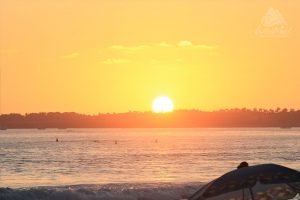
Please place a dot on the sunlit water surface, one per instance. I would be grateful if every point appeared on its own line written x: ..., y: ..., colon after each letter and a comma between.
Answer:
x: 186, y: 157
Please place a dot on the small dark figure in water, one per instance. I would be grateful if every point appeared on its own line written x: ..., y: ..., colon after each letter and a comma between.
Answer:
x: 155, y: 141
x: 56, y: 139
x: 242, y: 165
x: 116, y: 142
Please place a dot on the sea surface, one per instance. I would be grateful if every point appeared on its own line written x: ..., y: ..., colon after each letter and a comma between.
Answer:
x: 133, y: 164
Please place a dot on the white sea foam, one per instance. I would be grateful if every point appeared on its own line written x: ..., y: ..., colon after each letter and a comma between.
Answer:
x: 163, y: 191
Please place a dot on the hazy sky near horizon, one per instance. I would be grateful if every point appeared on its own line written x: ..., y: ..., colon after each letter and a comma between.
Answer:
x: 93, y: 56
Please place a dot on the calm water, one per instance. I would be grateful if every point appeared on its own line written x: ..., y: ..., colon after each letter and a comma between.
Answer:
x: 141, y: 157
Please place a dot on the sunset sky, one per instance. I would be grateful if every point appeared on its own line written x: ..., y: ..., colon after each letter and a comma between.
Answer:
x: 93, y: 56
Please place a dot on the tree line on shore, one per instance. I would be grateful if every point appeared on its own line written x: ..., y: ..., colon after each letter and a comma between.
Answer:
x: 284, y: 118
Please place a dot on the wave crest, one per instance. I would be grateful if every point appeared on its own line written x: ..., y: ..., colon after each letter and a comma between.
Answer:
x: 104, y: 192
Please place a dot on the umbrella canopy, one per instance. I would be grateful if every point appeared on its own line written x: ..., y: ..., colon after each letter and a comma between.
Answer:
x: 260, y: 182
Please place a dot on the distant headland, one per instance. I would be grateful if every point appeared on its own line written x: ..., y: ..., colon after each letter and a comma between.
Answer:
x: 282, y: 118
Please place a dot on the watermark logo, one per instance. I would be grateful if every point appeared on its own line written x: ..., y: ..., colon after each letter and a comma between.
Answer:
x: 273, y: 24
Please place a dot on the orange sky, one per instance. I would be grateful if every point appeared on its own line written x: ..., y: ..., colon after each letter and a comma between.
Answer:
x: 93, y: 56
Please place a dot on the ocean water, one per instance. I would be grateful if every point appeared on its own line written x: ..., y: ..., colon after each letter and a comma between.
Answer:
x: 132, y: 163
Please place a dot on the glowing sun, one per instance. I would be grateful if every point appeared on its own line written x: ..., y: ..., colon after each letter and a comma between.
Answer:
x: 162, y: 104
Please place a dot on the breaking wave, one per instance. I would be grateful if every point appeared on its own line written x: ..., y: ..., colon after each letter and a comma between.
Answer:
x: 162, y: 191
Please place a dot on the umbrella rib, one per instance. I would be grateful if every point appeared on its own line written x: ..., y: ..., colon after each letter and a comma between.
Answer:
x: 251, y: 193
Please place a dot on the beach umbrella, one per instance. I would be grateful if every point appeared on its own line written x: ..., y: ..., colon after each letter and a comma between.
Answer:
x: 260, y: 182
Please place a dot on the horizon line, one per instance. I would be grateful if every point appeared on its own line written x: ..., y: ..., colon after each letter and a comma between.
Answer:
x: 275, y: 110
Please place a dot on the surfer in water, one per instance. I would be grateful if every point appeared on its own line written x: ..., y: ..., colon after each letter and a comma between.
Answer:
x: 56, y: 139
